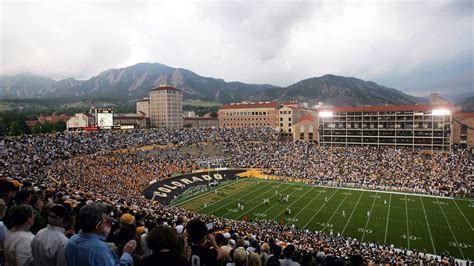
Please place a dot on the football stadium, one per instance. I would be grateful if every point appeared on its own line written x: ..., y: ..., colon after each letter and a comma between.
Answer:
x: 241, y: 189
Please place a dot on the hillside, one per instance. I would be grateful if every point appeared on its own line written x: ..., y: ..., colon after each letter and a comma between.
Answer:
x: 131, y: 83
x: 338, y: 91
x: 467, y: 105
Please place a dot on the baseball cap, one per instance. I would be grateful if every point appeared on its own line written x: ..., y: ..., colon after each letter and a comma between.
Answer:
x: 127, y: 218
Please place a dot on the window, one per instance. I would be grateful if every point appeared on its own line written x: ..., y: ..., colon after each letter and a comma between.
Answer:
x: 281, y: 118
x: 301, y: 128
x: 289, y: 119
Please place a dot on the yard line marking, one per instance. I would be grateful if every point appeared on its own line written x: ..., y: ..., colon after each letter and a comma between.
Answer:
x: 309, y: 203
x: 429, y: 230
x: 291, y: 204
x: 368, y: 218
x: 463, y: 214
x: 200, y: 195
x: 406, y: 212
x: 309, y: 221
x: 240, y: 190
x: 335, y: 212
x: 233, y: 201
x: 343, y: 230
x: 271, y: 197
x: 388, y: 216
x: 450, y: 229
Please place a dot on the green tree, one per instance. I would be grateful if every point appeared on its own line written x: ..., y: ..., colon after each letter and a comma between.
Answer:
x: 47, y: 127
x: 59, y: 126
x: 37, y: 128
x: 15, y: 129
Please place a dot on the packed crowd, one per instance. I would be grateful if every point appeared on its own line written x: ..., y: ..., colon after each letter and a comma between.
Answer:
x: 73, y: 189
x: 48, y: 226
x: 367, y: 167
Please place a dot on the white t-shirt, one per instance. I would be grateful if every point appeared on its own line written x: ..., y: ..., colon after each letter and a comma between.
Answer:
x: 17, y: 248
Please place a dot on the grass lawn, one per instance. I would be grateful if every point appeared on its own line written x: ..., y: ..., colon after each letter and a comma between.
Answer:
x: 425, y: 223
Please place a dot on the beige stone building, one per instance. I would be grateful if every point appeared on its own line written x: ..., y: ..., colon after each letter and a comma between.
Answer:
x: 287, y: 115
x: 143, y: 105
x: 249, y: 114
x: 166, y: 107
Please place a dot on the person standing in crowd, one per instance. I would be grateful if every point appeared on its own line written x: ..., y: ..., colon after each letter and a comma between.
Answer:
x: 287, y: 254
x: 17, y: 245
x: 88, y: 247
x: 163, y: 241
x: 49, y: 245
x: 203, y: 249
x: 3, y: 230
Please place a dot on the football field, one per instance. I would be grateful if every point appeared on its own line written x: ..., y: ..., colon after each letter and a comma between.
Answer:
x: 431, y: 224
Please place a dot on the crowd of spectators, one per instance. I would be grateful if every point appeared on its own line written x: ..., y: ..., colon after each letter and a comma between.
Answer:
x: 68, y: 199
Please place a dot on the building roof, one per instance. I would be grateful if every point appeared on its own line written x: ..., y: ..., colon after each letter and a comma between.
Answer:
x: 250, y: 105
x: 165, y: 88
x: 200, y: 118
x: 463, y: 116
x: 307, y: 116
x: 389, y: 108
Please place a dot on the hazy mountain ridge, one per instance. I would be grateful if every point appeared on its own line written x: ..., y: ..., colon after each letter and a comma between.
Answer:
x: 338, y: 90
x: 129, y: 83
x: 134, y: 82
x: 467, y: 105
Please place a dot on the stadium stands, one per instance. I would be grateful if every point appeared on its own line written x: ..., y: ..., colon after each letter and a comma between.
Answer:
x: 81, y: 169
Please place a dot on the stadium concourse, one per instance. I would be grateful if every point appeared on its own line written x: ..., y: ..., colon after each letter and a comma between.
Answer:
x: 75, y: 189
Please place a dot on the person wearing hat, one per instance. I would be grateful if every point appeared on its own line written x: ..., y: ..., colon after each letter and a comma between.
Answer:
x: 127, y: 218
x: 88, y: 247
x: 49, y: 245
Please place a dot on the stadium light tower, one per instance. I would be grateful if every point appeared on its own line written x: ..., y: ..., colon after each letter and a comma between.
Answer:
x: 325, y: 114
x: 441, y: 112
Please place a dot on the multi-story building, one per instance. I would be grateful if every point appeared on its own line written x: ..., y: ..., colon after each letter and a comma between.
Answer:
x: 306, y: 128
x: 166, y: 107
x: 415, y: 126
x: 200, y: 122
x: 80, y: 121
x: 287, y: 115
x: 130, y: 121
x: 143, y: 105
x: 463, y: 130
x: 249, y: 114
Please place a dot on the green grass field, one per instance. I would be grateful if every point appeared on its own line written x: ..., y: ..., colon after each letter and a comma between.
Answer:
x: 412, y: 221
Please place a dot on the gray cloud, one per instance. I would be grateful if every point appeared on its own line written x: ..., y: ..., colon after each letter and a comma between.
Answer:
x: 416, y: 46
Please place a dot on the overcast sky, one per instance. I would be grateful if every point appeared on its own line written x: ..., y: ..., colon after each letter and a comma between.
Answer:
x: 416, y: 46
